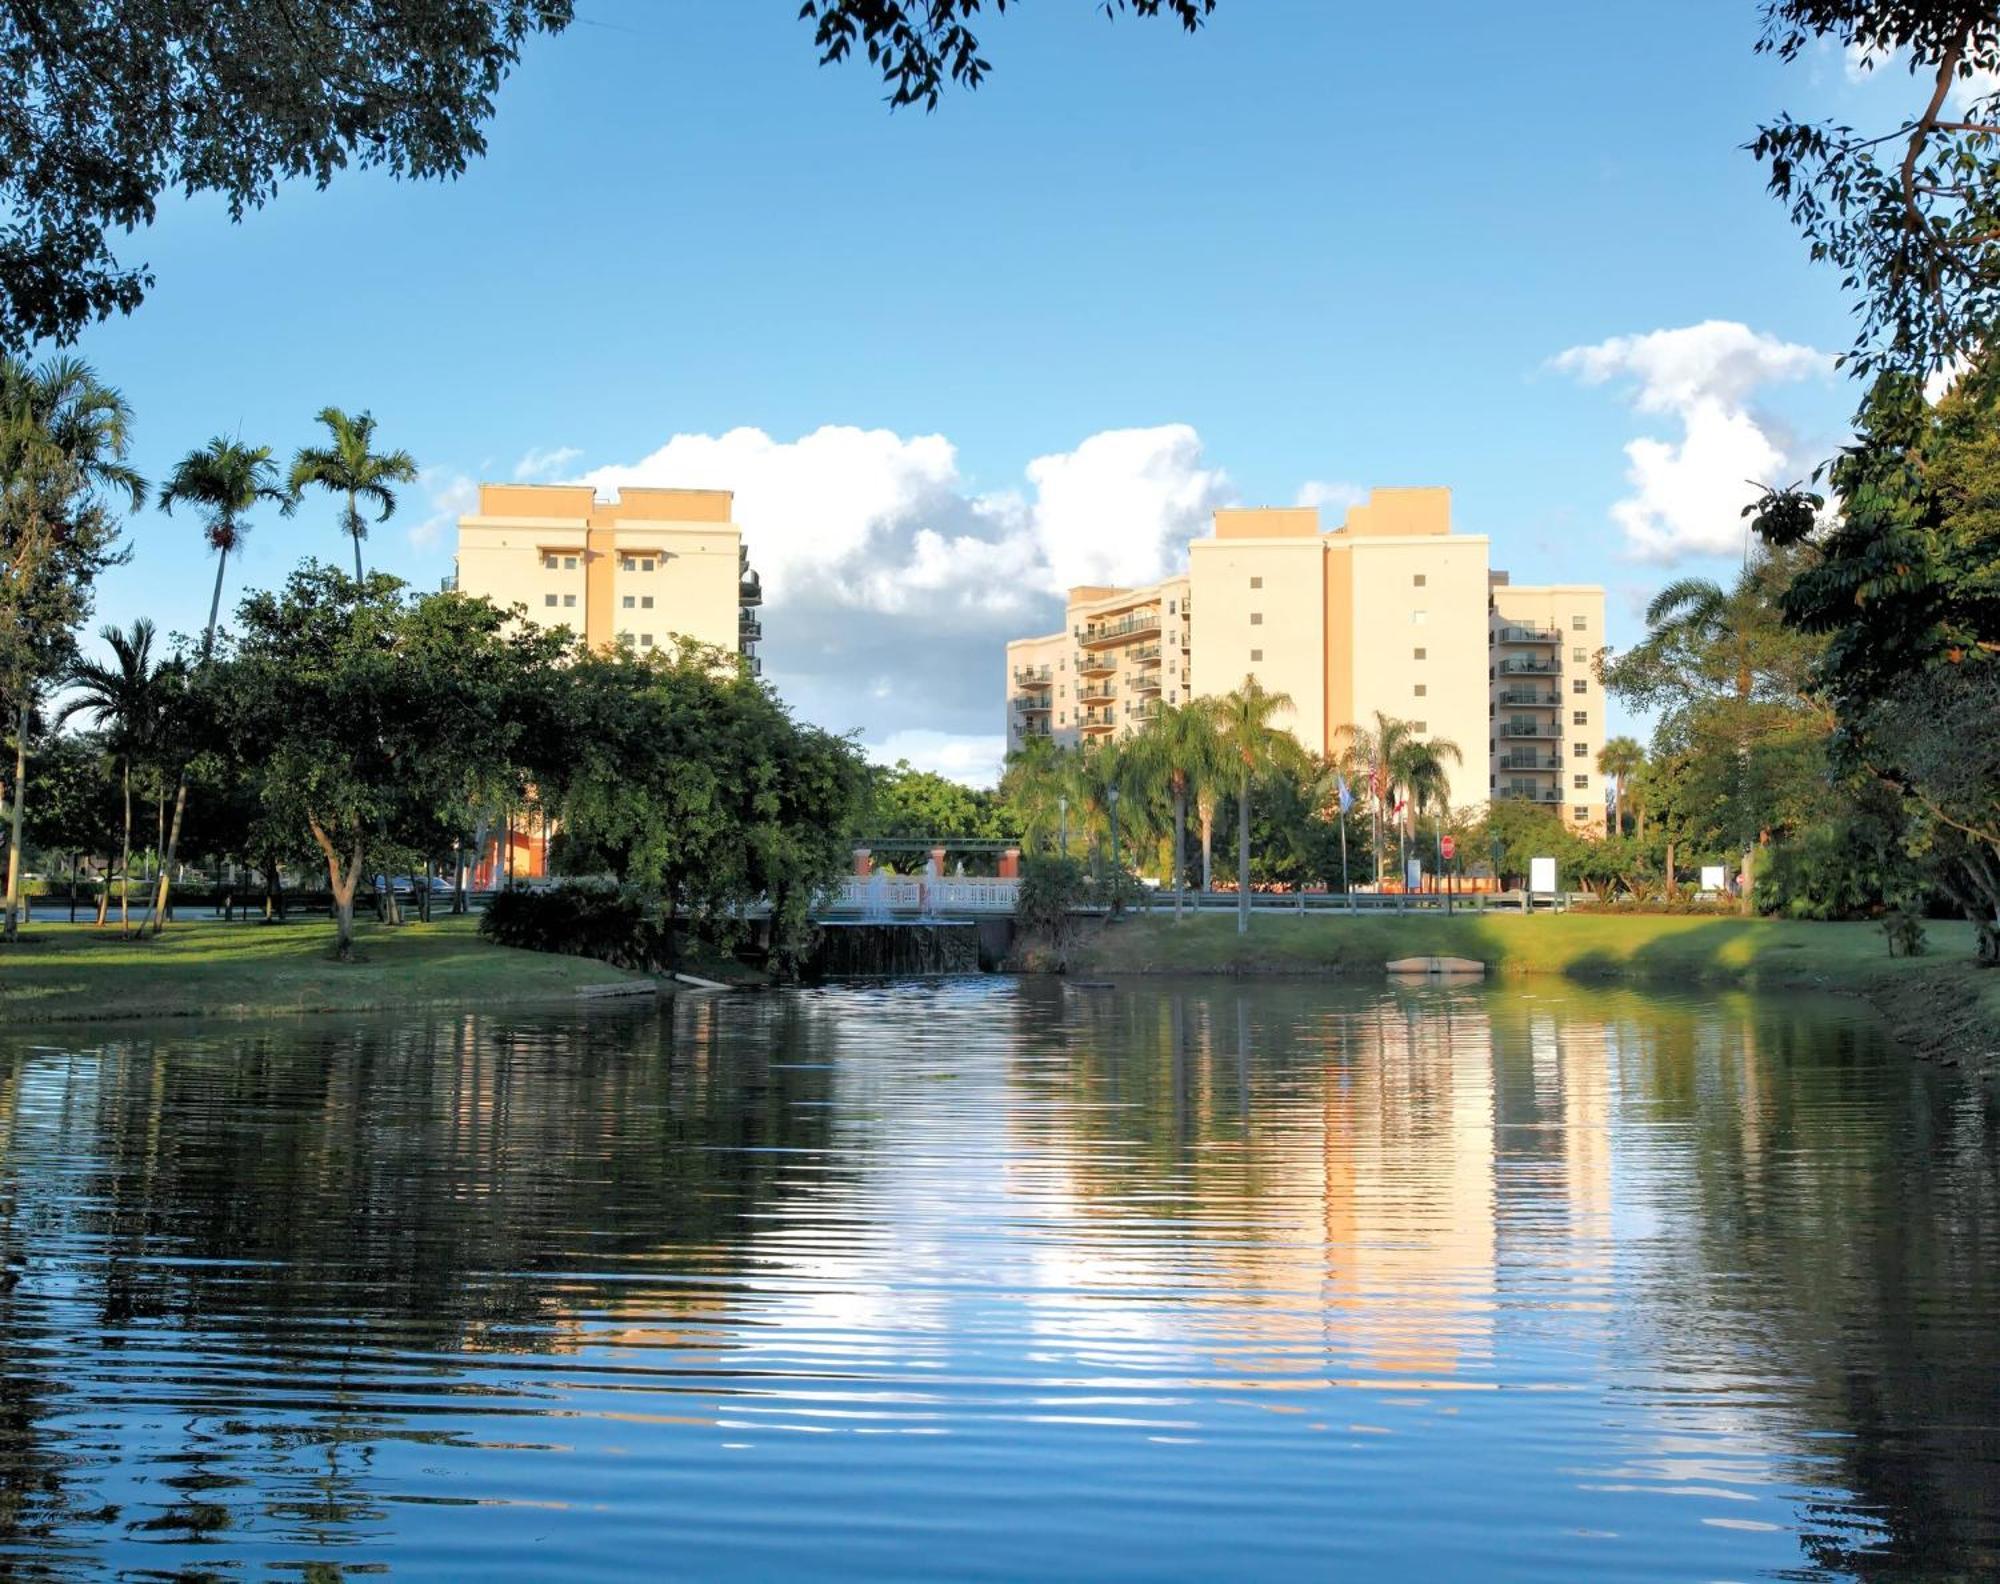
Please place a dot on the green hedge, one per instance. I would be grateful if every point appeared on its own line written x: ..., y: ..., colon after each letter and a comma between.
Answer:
x: 580, y: 920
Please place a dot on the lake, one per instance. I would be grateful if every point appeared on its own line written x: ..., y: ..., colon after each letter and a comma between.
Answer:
x: 992, y: 1278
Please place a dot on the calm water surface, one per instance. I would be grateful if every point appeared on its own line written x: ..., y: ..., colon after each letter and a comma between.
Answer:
x: 1002, y: 1280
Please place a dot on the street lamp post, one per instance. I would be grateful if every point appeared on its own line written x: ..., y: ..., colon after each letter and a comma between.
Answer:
x: 1062, y: 821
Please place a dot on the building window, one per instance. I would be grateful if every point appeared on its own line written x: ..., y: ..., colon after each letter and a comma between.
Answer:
x: 627, y: 602
x: 1578, y: 685
x: 1580, y: 782
x: 1256, y: 655
x: 569, y: 563
x: 645, y: 640
x: 1417, y: 581
x: 1420, y: 690
x: 646, y: 565
x: 1418, y: 618
x: 1579, y: 750
x: 1170, y: 607
x: 549, y: 561
x: 548, y: 599
x: 1579, y: 717
x: 1579, y: 655
x: 1578, y: 811
x: 645, y: 602
x: 1061, y: 718
x: 570, y: 600
x: 1418, y: 654
x: 626, y: 563
x: 1420, y: 727
x: 1256, y: 618
x: 1578, y: 623
x: 626, y: 639
x: 1256, y: 582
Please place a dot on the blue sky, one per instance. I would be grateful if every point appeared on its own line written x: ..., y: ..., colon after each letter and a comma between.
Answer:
x: 1043, y: 330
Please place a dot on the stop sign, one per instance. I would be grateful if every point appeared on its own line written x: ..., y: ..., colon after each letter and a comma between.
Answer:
x: 1450, y: 847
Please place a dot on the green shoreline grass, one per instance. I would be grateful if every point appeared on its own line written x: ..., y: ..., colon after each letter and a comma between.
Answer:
x: 1941, y: 1002
x: 65, y: 973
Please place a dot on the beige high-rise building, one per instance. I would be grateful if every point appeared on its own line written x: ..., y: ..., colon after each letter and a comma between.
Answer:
x: 1548, y: 704
x: 645, y: 568
x: 1389, y: 612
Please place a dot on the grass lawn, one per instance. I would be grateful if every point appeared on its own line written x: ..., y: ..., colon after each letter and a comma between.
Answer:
x: 1941, y: 993
x: 59, y: 971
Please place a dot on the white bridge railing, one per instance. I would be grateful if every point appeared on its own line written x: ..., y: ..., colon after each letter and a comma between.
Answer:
x: 900, y: 896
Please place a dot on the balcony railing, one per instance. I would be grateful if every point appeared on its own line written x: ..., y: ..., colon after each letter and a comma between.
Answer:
x: 1529, y: 728
x: 1145, y: 682
x: 1527, y: 635
x: 1530, y: 697
x: 1030, y: 704
x: 1524, y: 667
x: 1520, y: 761
x: 1034, y: 676
x: 1097, y: 722
x: 1034, y: 728
x: 1096, y: 695
x: 1530, y: 792
x: 1133, y: 626
x: 1096, y: 664
x: 1149, y: 711
x: 750, y: 591
x: 1143, y: 653
x: 749, y: 630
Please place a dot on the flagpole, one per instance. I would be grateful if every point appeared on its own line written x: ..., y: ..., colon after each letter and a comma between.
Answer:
x: 1344, y: 886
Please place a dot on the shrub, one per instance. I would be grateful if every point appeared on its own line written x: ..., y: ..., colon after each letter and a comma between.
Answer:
x: 1045, y: 907
x: 580, y: 919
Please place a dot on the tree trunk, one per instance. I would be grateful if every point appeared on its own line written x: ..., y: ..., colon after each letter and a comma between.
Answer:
x: 1673, y: 889
x: 354, y: 528
x: 343, y: 887
x: 162, y: 896
x: 1180, y: 843
x: 125, y: 861
x: 1207, y: 813
x: 14, y: 817
x: 74, y: 858
x: 1243, y: 858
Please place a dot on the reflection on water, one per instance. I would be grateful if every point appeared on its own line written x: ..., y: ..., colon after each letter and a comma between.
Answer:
x: 999, y: 1279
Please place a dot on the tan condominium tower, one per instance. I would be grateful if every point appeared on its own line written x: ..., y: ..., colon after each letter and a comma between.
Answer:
x: 1548, y: 704
x: 1388, y: 612
x: 645, y: 568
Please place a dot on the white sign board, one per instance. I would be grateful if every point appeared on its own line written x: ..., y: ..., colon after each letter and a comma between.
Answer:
x: 1714, y: 878
x: 1413, y: 874
x: 1542, y: 876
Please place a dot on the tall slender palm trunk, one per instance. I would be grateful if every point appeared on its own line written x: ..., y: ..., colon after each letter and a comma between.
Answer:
x: 1243, y: 858
x: 125, y: 860
x: 181, y: 785
x: 17, y: 804
x: 1180, y: 841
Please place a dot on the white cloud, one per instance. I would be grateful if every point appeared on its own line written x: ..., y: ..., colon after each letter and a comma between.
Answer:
x: 448, y: 496
x: 1331, y: 496
x: 1688, y: 493
x: 545, y: 466
x: 970, y: 758
x: 891, y: 585
x: 1966, y: 91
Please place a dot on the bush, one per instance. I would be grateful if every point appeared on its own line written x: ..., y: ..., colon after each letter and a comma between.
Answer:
x: 1045, y: 907
x: 602, y: 921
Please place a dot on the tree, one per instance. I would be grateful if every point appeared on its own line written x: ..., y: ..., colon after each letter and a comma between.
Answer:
x: 1907, y: 214
x: 1420, y: 769
x: 1034, y: 788
x: 125, y: 701
x: 1254, y: 748
x: 1181, y: 751
x: 223, y: 481
x: 63, y: 442
x: 115, y: 102
x: 1372, y: 756
x: 1619, y: 760
x: 351, y: 468
x: 922, y: 46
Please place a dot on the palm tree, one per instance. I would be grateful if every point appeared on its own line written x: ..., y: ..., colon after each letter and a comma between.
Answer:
x: 1691, y: 615
x: 223, y: 481
x: 63, y: 441
x: 351, y: 467
x: 1254, y: 748
x: 1373, y: 754
x: 1033, y: 785
x: 1180, y: 751
x: 124, y: 700
x: 1619, y: 759
x: 1420, y: 770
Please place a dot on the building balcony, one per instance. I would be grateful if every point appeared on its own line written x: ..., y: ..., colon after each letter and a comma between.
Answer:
x: 1527, y: 635
x: 1141, y: 624
x: 749, y: 630
x: 1096, y: 664
x: 750, y: 590
x: 1528, y: 698
x: 1097, y: 723
x: 1034, y: 676
x: 1525, y: 667
x: 1527, y: 761
x: 1529, y: 728
x: 1141, y: 714
x: 1033, y: 728
x: 1146, y: 682
x: 1529, y: 792
x: 1143, y: 654
x: 1100, y: 694
x: 1029, y: 704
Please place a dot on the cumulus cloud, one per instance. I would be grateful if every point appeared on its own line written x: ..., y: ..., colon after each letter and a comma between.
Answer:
x: 1688, y: 492
x: 448, y: 496
x: 1332, y: 497
x: 545, y: 466
x: 971, y: 758
x: 891, y: 583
